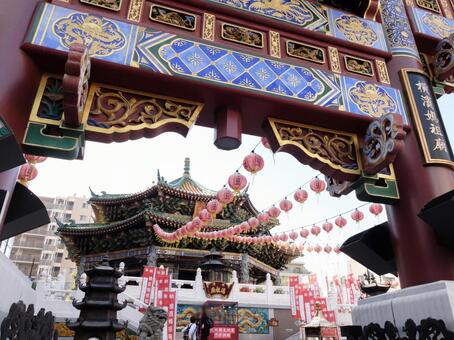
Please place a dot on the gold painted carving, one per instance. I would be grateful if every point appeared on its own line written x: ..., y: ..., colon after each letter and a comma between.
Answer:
x: 431, y: 5
x: 135, y: 10
x: 242, y: 35
x: 208, y: 26
x: 383, y: 75
x: 334, y: 59
x: 113, y: 5
x: 275, y: 44
x: 305, y: 51
x: 173, y: 17
x: 338, y: 150
x: 359, y: 66
x: 111, y: 109
x: 446, y: 8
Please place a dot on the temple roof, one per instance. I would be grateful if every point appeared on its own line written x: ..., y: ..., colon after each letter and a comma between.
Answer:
x: 184, y: 187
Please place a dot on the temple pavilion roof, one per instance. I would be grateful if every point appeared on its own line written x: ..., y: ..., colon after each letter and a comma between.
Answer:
x: 124, y: 222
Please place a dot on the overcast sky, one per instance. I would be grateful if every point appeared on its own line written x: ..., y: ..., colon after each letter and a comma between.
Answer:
x: 132, y: 166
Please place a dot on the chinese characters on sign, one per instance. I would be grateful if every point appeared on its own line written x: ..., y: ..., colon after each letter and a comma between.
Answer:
x: 427, y: 119
x: 217, y: 289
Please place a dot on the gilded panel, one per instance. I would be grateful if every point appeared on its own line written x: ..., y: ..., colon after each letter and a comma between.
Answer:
x: 242, y: 35
x: 173, y: 17
x: 359, y: 66
x: 113, y: 5
x: 275, y: 44
x: 432, y: 24
x: 209, y: 21
x: 431, y: 5
x: 305, y: 51
x: 135, y: 10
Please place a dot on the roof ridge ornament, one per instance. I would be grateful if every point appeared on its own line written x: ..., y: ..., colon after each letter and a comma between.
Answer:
x: 187, y: 167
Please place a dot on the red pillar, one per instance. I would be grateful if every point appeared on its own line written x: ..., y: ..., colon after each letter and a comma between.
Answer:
x: 229, y: 127
x: 19, y: 75
x: 419, y: 258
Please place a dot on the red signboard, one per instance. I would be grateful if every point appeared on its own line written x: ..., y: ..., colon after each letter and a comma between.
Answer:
x: 223, y: 332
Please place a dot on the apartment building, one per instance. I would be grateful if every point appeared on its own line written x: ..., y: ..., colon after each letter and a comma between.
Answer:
x: 40, y: 253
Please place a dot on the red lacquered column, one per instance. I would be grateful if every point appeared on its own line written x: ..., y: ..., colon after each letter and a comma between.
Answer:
x: 419, y: 258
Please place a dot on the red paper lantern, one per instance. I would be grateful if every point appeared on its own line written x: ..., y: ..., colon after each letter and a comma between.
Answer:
x: 328, y: 249
x: 214, y: 207
x: 237, y: 229
x: 237, y: 182
x: 340, y: 221
x: 276, y: 237
x: 33, y: 159
x: 286, y: 205
x: 357, y: 216
x: 304, y: 233
x: 263, y: 217
x: 253, y: 222
x: 300, y: 196
x: 317, y: 185
x: 204, y: 215
x: 376, y: 209
x: 27, y: 172
x: 336, y: 249
x: 283, y: 237
x: 253, y: 163
x: 310, y: 248
x: 293, y: 235
x: 274, y: 212
x: 315, y: 230
x: 318, y: 248
x: 265, y: 143
x: 225, y: 196
x: 327, y: 226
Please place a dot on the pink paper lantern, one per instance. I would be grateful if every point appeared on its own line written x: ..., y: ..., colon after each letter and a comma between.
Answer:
x: 225, y: 196
x: 204, y: 215
x: 293, y: 235
x: 263, y: 217
x: 327, y: 226
x: 283, y: 237
x: 244, y: 226
x: 276, y: 237
x: 357, y: 215
x: 315, y: 230
x: 328, y: 249
x: 340, y: 221
x: 237, y: 182
x: 274, y: 212
x: 304, y: 233
x: 286, y: 205
x: 33, y: 159
x: 300, y: 196
x: 318, y: 248
x: 253, y: 222
x: 265, y: 143
x: 214, y: 207
x: 317, y: 185
x: 376, y: 209
x: 336, y: 249
x: 253, y: 163
x: 28, y: 172
x: 310, y: 248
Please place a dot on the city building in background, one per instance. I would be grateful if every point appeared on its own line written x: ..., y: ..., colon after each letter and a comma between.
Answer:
x: 40, y: 253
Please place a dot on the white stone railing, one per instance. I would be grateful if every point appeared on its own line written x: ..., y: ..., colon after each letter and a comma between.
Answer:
x: 246, y: 294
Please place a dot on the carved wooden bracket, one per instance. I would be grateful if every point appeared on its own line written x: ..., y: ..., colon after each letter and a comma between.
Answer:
x: 383, y: 140
x: 75, y: 84
x: 443, y: 61
x: 334, y: 153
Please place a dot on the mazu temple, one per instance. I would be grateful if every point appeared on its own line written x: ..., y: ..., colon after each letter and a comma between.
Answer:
x: 123, y: 231
x: 349, y: 88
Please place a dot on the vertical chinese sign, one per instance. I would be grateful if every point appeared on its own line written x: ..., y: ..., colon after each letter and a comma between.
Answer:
x: 427, y: 118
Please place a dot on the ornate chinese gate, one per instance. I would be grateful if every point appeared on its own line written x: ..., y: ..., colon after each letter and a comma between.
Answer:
x: 346, y: 89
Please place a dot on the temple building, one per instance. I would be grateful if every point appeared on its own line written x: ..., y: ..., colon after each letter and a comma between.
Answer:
x: 123, y: 231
